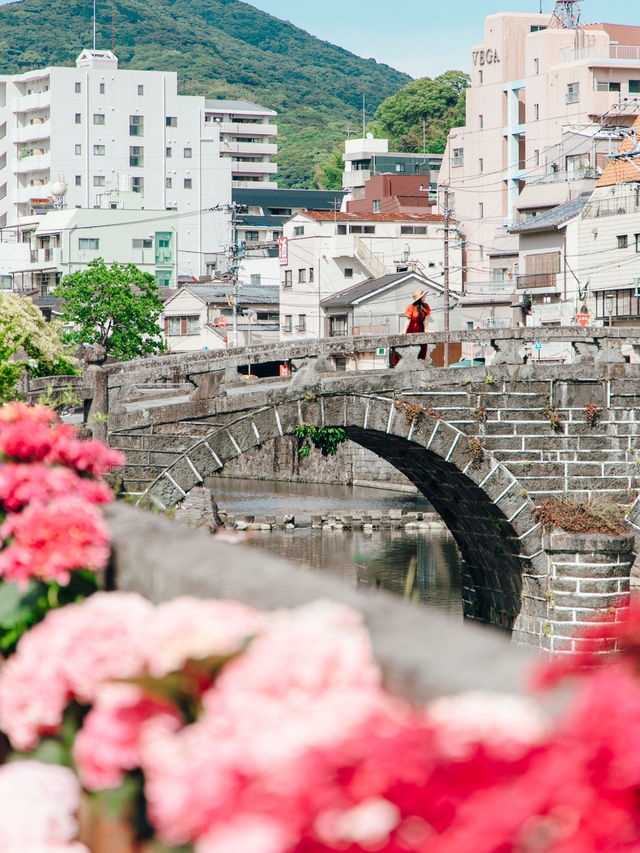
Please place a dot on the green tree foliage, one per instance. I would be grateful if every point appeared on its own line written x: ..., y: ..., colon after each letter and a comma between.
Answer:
x: 28, y: 342
x: 440, y: 102
x: 116, y: 306
x: 219, y: 48
x: 328, y: 173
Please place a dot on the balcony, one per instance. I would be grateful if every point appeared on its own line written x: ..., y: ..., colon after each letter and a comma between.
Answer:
x: 35, y: 101
x: 240, y: 168
x: 31, y: 132
x: 33, y: 163
x: 537, y: 279
x: 248, y: 129
x: 249, y: 148
x: 243, y: 184
x: 622, y: 52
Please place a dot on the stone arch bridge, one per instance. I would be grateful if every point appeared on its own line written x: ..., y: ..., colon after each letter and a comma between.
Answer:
x: 484, y: 444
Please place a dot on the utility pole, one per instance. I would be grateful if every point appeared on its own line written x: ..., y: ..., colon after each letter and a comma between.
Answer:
x: 236, y: 254
x: 447, y: 219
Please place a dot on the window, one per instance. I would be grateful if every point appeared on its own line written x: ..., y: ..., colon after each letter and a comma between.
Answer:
x: 98, y: 180
x: 311, y: 274
x: 173, y: 326
x: 136, y: 125
x: 137, y: 185
x: 188, y: 153
x: 142, y: 243
x: 251, y: 236
x: 362, y: 229
x: 637, y: 239
x: 400, y: 167
x: 607, y: 86
x: 288, y: 278
x: 187, y: 183
x: 101, y: 88
x: 458, y: 157
x: 140, y: 89
x: 171, y: 121
x: 255, y: 279
x: 481, y: 165
x: 298, y: 231
x: 302, y: 322
x: 376, y: 205
x: 341, y: 229
x: 78, y: 181
x: 168, y: 152
x: 481, y: 209
x: 623, y: 241
x: 288, y: 323
x: 136, y: 155
x: 420, y: 230
x: 78, y: 88
x: 573, y: 93
x: 98, y: 118
x: 302, y: 276
x: 536, y: 66
x: 536, y: 112
x: 91, y: 243
x: 98, y: 150
x: 536, y: 157
x: 78, y: 118
x: 78, y: 149
x: 481, y: 122
x: 634, y: 87
x: 168, y: 183
x: 348, y: 273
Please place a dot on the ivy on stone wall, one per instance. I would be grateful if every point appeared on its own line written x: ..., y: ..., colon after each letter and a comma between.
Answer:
x: 326, y: 439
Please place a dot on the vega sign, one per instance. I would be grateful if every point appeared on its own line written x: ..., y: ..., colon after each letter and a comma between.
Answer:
x: 485, y: 57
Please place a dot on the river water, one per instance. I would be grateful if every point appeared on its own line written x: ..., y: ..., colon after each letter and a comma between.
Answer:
x: 421, y: 565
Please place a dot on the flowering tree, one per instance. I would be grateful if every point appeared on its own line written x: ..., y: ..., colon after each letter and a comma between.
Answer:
x: 117, y: 307
x: 22, y: 326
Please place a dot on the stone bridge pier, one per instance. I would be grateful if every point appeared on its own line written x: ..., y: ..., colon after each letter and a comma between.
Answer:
x: 485, y: 445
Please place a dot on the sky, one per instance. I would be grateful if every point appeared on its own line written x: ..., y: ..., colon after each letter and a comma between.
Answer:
x: 421, y: 37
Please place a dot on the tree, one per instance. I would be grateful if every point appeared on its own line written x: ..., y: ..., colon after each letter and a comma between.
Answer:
x: 440, y: 103
x: 328, y: 173
x: 116, y: 306
x: 24, y: 328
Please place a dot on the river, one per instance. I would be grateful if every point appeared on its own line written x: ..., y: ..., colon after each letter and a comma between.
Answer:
x: 421, y: 565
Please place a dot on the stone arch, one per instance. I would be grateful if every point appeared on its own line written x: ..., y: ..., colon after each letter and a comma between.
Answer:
x: 484, y: 506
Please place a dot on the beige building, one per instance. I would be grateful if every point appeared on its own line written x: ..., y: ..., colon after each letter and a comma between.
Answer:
x: 533, y: 82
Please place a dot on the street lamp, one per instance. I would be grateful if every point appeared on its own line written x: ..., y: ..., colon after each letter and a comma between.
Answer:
x: 610, y: 304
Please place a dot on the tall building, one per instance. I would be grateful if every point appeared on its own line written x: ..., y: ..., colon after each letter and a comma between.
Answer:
x: 542, y: 88
x: 97, y: 128
x: 247, y: 140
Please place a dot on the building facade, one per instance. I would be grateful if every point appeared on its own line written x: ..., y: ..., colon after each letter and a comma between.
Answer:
x: 531, y: 80
x: 326, y: 252
x: 364, y: 158
x: 93, y: 126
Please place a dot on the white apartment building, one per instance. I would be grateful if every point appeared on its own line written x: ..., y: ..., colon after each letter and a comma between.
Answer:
x: 364, y: 158
x: 247, y: 139
x: 324, y: 252
x: 531, y: 80
x: 35, y: 255
x: 93, y: 125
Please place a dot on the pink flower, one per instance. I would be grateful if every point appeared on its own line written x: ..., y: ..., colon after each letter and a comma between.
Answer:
x: 107, y: 745
x: 21, y: 484
x: 90, y: 457
x: 68, y: 655
x: 250, y: 832
x: 37, y: 807
x: 191, y: 628
x: 49, y: 541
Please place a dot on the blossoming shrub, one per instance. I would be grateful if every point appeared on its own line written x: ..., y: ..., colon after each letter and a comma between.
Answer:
x: 52, y: 537
x: 272, y: 733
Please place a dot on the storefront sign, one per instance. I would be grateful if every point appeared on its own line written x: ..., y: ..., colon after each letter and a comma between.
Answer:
x: 283, y: 251
x: 485, y: 57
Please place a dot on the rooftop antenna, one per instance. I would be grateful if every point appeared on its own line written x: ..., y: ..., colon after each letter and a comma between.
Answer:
x: 566, y: 15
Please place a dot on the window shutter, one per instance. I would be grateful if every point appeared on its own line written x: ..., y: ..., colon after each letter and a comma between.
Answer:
x: 183, y: 324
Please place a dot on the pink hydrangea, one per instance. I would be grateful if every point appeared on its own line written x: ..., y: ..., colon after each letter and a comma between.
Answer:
x: 68, y: 655
x: 22, y: 483
x: 48, y: 541
x: 250, y: 832
x: 107, y: 745
x: 192, y: 628
x: 38, y: 803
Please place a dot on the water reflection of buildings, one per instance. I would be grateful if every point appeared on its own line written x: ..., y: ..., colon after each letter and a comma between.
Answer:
x: 424, y: 567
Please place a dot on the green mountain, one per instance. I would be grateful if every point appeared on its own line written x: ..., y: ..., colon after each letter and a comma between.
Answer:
x: 220, y: 48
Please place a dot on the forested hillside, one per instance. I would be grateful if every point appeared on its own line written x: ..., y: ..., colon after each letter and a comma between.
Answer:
x: 220, y: 48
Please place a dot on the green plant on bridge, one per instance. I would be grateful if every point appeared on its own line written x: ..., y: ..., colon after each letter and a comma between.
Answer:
x: 476, y: 452
x: 326, y: 439
x: 552, y: 416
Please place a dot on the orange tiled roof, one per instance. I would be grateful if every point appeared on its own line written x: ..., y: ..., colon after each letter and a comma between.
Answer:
x: 338, y: 216
x: 623, y: 171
